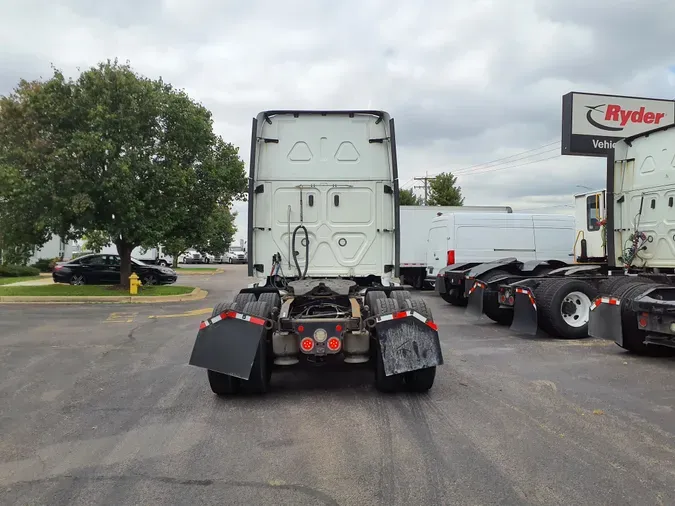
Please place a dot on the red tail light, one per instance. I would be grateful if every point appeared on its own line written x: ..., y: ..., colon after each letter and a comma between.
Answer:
x: 334, y: 344
x: 57, y: 267
x: 307, y: 344
x: 451, y: 257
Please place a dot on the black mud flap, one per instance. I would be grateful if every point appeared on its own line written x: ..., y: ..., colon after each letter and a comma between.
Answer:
x: 228, y: 343
x: 475, y: 306
x: 524, y: 312
x: 604, y: 320
x: 408, y: 342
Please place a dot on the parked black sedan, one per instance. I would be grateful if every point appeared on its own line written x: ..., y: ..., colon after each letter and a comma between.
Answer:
x: 105, y: 269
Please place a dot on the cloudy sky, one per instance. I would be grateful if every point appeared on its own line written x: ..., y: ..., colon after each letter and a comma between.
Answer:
x: 468, y: 82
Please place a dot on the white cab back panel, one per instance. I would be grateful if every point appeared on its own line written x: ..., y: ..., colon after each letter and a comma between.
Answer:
x: 323, y: 172
x: 644, y: 174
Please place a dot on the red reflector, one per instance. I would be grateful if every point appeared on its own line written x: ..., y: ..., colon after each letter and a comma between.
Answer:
x: 451, y: 257
x: 400, y: 314
x: 301, y: 328
x: 643, y: 320
x: 257, y: 321
x: 307, y: 344
x: 334, y: 344
x: 338, y: 328
x: 432, y: 325
x: 202, y: 325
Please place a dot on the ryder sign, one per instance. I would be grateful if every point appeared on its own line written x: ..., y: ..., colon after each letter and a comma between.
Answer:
x: 592, y: 123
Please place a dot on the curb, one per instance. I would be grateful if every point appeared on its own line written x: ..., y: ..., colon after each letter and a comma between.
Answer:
x: 196, y: 294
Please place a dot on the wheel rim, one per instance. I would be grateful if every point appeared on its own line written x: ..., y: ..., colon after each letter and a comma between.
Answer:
x: 575, y: 309
x: 77, y: 279
x: 150, y: 280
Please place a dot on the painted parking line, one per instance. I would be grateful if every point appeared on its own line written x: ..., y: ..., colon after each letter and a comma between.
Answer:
x: 121, y: 317
x: 194, y: 312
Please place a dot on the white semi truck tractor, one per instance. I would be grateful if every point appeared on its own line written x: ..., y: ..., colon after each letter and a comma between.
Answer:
x: 323, y: 247
x: 621, y: 285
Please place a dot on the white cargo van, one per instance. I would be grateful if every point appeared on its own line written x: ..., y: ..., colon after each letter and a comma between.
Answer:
x: 415, y: 223
x: 456, y: 238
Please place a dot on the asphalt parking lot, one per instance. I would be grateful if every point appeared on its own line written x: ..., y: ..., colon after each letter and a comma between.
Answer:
x: 99, y: 406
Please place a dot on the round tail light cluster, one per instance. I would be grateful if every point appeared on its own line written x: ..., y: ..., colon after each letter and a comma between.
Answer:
x: 334, y: 344
x: 307, y: 344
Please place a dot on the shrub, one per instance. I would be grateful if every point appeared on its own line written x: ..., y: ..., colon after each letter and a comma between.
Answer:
x: 43, y: 265
x: 14, y: 271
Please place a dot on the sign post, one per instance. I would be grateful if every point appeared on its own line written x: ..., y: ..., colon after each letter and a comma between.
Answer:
x: 592, y: 123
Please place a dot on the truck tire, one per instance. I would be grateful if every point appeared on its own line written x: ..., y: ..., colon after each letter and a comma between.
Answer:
x: 244, y: 298
x: 491, y: 300
x: 223, y: 384
x: 387, y: 306
x: 564, y: 306
x: 400, y: 296
x: 224, y: 306
x: 272, y: 299
x: 423, y: 379
x: 614, y: 283
x: 384, y: 383
x: 371, y: 300
x: 413, y: 277
x: 261, y: 371
x: 633, y: 337
x: 418, y: 305
x: 455, y: 299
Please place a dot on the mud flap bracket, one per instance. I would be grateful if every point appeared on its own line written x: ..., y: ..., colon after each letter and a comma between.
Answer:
x: 604, y: 320
x: 408, y: 341
x: 524, y: 312
x: 228, y: 343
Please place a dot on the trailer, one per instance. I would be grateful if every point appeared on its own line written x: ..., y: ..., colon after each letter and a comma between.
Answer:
x: 415, y: 223
x: 621, y: 286
x: 324, y: 249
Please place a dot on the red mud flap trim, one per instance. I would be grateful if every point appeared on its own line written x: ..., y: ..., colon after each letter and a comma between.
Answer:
x: 524, y: 312
x: 604, y: 320
x: 228, y: 343
x: 232, y: 314
x: 474, y: 307
x: 408, y: 341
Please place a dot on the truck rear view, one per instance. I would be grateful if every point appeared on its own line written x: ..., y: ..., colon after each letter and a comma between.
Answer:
x: 323, y: 246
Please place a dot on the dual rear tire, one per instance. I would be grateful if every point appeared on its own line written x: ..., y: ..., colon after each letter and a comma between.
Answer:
x: 261, y: 371
x: 415, y: 381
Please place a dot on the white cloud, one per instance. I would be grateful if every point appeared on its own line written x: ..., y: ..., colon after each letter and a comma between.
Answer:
x: 468, y: 82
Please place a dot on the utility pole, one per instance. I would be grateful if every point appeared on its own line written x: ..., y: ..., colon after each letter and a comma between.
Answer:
x: 426, y: 180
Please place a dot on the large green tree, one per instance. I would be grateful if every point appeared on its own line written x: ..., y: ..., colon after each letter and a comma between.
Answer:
x: 444, y: 191
x: 114, y: 153
x: 408, y: 198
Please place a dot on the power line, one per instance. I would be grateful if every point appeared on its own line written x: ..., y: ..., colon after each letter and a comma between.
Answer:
x: 491, y: 165
x: 510, y: 156
x: 493, y: 169
x: 502, y: 160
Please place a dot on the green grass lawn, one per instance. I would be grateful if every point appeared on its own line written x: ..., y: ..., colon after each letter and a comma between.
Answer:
x: 205, y: 270
x: 89, y: 290
x: 9, y: 279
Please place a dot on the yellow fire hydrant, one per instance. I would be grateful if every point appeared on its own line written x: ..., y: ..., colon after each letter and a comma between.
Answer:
x: 134, y: 283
